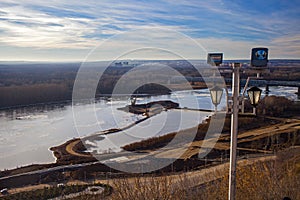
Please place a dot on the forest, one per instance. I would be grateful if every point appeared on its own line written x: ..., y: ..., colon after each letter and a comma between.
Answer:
x: 24, y: 84
x: 28, y: 84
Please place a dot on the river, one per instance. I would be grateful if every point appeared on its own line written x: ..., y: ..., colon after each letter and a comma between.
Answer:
x: 26, y: 134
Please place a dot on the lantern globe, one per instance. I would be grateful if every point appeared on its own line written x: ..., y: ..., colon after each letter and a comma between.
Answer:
x: 216, y: 95
x: 254, y: 94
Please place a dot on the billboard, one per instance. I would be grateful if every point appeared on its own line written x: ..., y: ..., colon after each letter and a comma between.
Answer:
x: 259, y: 57
x: 214, y: 59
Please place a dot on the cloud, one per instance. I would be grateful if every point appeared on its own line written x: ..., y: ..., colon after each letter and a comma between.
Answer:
x: 285, y: 46
x: 281, y: 47
x: 26, y: 27
x: 232, y: 49
x: 54, y: 27
x: 214, y: 6
x: 145, y: 43
x: 82, y: 25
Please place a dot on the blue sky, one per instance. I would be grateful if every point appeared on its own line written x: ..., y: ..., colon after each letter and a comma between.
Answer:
x: 64, y: 30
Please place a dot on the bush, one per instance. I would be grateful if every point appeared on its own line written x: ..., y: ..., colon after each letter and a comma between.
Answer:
x: 274, y: 106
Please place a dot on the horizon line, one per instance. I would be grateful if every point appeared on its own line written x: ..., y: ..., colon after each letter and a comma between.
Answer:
x: 79, y: 61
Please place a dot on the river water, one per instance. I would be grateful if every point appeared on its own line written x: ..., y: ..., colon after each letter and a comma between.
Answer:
x: 26, y: 134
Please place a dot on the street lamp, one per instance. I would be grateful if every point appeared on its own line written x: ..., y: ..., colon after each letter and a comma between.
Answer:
x: 216, y: 95
x: 254, y: 95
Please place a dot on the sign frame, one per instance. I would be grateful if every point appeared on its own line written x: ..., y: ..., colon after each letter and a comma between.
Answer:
x: 259, y: 57
x: 215, y: 59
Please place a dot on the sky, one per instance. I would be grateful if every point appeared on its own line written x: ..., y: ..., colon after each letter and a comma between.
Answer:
x: 65, y: 30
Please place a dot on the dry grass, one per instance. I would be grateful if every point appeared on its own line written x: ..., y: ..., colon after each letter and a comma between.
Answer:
x: 272, y: 179
x: 258, y: 178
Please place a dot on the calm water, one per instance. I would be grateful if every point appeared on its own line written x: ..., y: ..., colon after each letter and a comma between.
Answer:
x: 26, y: 134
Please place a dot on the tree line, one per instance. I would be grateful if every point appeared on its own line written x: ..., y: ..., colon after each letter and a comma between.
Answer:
x: 24, y: 84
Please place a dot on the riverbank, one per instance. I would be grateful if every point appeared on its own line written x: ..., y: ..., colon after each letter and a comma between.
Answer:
x: 256, y: 136
x: 281, y: 133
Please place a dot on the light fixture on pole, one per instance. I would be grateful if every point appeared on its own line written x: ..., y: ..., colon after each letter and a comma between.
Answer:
x: 254, y: 96
x: 216, y: 95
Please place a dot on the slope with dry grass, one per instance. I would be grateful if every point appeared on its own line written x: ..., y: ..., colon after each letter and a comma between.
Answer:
x: 272, y: 178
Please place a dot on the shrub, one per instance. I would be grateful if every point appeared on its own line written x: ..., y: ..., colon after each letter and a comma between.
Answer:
x: 274, y: 105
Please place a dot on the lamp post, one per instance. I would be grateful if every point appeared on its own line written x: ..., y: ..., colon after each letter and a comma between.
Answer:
x: 216, y: 95
x: 254, y: 94
x: 234, y: 130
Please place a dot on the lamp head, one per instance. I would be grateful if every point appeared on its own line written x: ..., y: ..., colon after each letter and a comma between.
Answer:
x: 216, y: 95
x: 254, y: 94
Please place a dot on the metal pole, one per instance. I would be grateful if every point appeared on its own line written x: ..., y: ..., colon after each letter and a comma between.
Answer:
x: 234, y: 130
